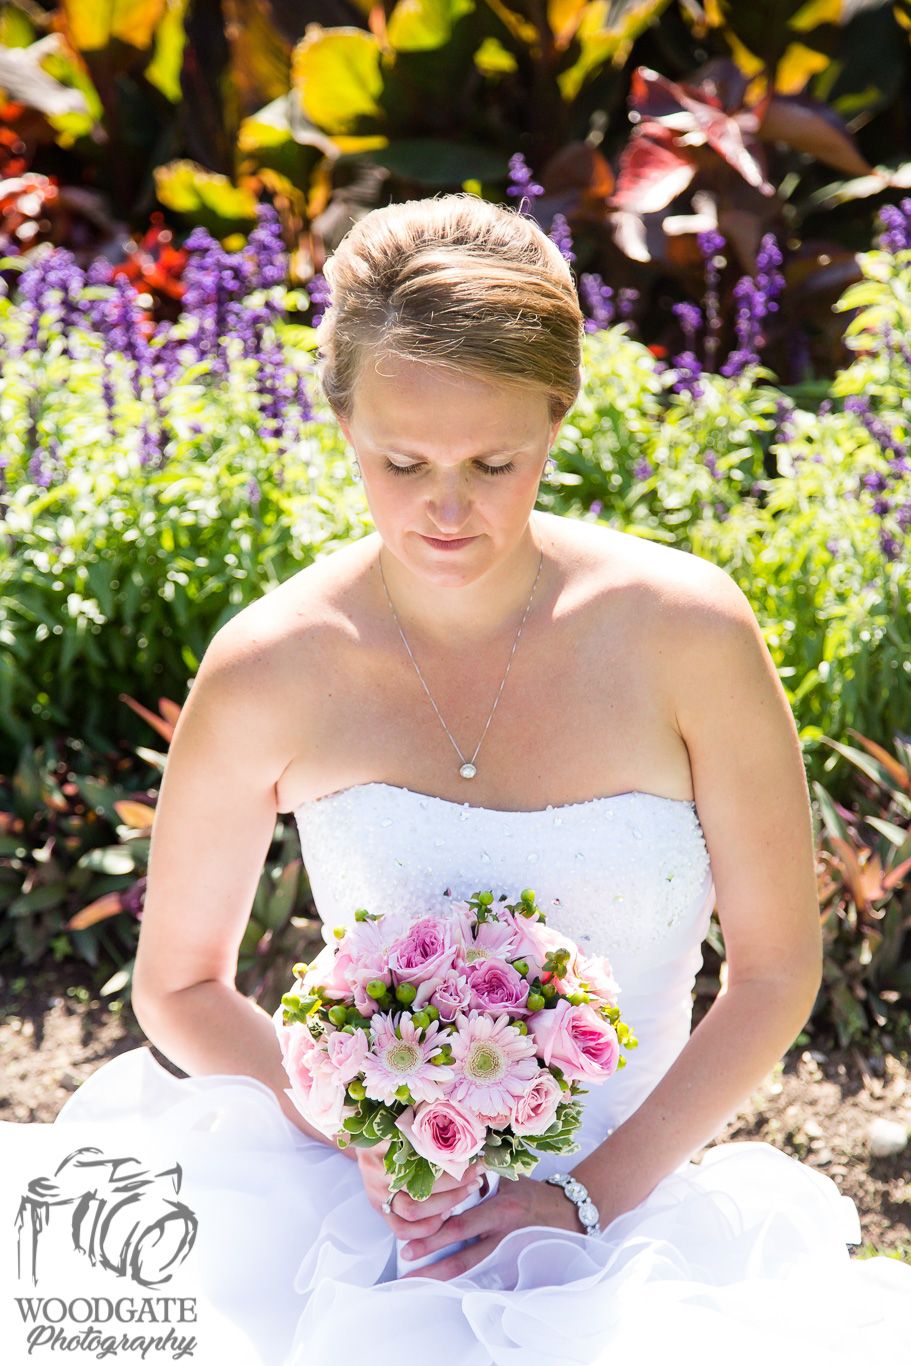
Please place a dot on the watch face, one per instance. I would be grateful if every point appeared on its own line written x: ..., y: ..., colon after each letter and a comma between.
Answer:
x: 588, y: 1214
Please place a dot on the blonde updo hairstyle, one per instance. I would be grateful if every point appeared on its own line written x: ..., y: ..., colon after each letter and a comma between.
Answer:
x: 455, y: 282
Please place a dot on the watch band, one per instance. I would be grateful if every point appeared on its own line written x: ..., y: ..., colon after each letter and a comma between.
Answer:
x: 574, y: 1190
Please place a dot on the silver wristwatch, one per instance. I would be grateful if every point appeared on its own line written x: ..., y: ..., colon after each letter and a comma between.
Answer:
x: 574, y: 1190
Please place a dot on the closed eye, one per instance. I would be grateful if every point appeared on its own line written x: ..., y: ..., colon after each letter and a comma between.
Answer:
x: 478, y: 464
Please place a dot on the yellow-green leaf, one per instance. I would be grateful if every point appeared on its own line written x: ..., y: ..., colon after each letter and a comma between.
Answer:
x: 817, y: 12
x: 337, y: 75
x: 202, y: 195
x: 601, y: 41
x: 163, y: 70
x: 93, y: 23
x: 492, y: 59
x: 421, y: 25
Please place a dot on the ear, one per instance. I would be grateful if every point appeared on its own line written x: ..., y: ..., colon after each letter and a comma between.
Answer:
x: 346, y: 430
x: 555, y: 428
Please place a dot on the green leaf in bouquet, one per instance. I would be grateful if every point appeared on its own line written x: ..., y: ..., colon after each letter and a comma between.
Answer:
x: 421, y: 1179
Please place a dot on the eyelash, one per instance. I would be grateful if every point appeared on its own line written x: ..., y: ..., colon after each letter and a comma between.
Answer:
x: 488, y: 469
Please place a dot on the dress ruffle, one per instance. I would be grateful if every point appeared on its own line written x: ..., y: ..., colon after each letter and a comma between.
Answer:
x: 740, y: 1258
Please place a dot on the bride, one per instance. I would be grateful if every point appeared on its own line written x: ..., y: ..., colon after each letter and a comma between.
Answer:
x: 482, y: 695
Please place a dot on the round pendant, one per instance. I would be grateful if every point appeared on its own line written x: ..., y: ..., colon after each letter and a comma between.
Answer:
x: 468, y: 770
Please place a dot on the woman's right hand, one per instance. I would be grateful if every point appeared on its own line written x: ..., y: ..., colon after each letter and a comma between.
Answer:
x: 412, y: 1218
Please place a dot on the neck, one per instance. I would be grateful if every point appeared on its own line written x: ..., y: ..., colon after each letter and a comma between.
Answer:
x: 470, y: 613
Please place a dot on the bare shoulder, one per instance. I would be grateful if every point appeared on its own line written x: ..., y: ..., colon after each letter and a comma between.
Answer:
x: 295, y: 624
x: 680, y: 593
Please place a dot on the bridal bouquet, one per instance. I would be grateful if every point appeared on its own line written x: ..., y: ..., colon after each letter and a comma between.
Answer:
x: 452, y: 1037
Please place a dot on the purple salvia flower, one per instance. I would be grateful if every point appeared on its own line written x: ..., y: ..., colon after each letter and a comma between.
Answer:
x: 688, y: 370
x: 711, y: 464
x: 625, y: 301
x: 562, y: 238
x: 643, y: 468
x: 599, y: 300
x: 896, y: 221
x: 890, y: 546
x: 318, y: 294
x: 267, y: 248
x: 254, y: 492
x: 711, y: 244
x: 689, y: 317
x: 38, y: 472
x: 521, y: 184
x: 596, y: 507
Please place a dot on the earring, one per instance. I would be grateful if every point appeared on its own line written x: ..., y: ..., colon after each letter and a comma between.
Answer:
x: 550, y: 470
x: 356, y: 473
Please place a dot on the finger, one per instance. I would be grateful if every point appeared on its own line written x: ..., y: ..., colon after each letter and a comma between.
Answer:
x: 447, y: 1268
x: 439, y: 1202
x: 479, y: 1221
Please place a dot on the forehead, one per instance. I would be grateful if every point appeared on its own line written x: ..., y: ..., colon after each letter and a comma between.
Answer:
x: 402, y: 404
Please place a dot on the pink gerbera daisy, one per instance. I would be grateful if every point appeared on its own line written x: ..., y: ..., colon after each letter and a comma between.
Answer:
x: 493, y: 1063
x: 402, y: 1058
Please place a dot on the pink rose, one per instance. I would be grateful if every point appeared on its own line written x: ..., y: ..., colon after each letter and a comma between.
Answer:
x: 316, y: 1086
x: 330, y: 969
x: 534, y: 940
x: 325, y: 1107
x: 595, y: 972
x: 370, y: 969
x: 496, y: 986
x: 451, y: 995
x: 443, y: 1133
x: 347, y: 1052
x: 577, y: 1040
x: 427, y: 950
x: 535, y: 1110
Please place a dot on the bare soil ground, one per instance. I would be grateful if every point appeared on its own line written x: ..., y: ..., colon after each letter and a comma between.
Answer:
x: 817, y: 1105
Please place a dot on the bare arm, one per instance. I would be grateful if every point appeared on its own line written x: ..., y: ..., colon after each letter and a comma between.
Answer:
x: 753, y: 804
x: 213, y: 826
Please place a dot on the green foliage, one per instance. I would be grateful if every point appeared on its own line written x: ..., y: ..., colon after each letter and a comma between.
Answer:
x: 116, y: 576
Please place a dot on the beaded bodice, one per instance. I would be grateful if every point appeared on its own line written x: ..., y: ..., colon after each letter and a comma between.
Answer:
x: 617, y: 874
x: 626, y: 876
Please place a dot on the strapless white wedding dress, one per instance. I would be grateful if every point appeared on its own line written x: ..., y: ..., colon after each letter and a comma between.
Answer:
x: 740, y: 1258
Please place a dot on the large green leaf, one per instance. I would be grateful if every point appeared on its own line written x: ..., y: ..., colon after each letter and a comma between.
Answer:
x: 421, y: 25
x: 163, y: 70
x: 93, y: 23
x: 205, y: 197
x: 337, y: 73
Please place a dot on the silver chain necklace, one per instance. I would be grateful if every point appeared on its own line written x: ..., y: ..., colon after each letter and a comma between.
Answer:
x: 468, y: 769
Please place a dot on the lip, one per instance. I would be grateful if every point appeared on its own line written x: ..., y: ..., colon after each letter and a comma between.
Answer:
x: 447, y: 542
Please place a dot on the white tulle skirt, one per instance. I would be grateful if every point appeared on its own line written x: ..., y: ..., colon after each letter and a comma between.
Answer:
x: 739, y: 1259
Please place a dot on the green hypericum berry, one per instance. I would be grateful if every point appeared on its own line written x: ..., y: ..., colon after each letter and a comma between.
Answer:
x: 339, y: 931
x: 535, y: 1001
x: 376, y: 988
x: 621, y: 1061
x: 432, y: 1012
x: 485, y: 898
x: 528, y: 897
x: 439, y: 1059
x: 405, y: 993
x: 521, y: 1026
x: 421, y: 1019
x: 521, y: 967
x: 549, y: 989
x: 356, y: 1089
x: 300, y: 969
x: 577, y: 999
x: 338, y: 1015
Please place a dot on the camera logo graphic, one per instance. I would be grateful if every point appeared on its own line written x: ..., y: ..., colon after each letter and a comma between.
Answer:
x: 112, y: 1211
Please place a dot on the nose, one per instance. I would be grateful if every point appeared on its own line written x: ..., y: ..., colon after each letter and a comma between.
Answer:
x: 449, y: 501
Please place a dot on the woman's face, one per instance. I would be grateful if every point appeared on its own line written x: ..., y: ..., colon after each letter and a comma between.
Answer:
x: 450, y: 463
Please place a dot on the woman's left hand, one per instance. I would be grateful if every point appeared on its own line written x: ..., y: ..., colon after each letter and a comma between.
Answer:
x: 514, y: 1204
